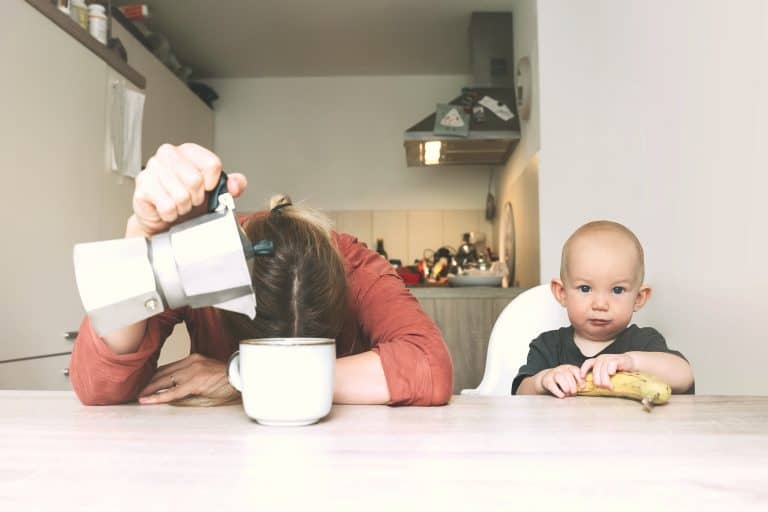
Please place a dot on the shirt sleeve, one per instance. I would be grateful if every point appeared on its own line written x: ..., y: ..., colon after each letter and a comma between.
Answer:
x: 540, y: 357
x: 99, y: 376
x: 414, y: 356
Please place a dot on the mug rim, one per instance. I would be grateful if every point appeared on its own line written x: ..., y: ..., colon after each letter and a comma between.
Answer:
x: 288, y: 341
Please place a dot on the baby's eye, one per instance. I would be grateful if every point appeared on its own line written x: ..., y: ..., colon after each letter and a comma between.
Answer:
x: 585, y: 288
x: 618, y: 290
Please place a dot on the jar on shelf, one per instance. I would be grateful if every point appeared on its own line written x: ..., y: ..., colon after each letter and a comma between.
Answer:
x: 97, y: 22
x: 63, y: 6
x: 78, y: 11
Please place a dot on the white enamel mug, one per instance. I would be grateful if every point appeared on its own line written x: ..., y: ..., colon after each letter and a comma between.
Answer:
x: 284, y: 381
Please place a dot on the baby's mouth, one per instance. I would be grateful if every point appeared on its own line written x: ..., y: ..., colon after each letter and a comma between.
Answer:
x: 599, y: 322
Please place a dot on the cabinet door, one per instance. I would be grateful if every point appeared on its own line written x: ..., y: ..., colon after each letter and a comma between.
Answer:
x: 466, y: 324
x: 52, y: 141
x: 45, y: 373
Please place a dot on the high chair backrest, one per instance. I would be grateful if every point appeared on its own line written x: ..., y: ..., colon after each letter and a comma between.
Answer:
x: 529, y: 314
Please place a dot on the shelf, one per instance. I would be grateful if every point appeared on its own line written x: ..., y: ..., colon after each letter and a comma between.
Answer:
x: 68, y: 25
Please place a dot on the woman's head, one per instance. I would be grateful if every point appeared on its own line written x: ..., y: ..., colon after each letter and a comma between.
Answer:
x: 300, y: 289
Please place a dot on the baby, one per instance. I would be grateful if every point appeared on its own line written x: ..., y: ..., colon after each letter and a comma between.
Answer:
x: 601, y: 286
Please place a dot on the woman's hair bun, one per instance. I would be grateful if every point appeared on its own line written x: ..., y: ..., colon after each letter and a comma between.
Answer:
x: 279, y: 199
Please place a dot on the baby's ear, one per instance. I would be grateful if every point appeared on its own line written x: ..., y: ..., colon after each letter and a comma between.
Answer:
x: 558, y: 290
x: 642, y: 296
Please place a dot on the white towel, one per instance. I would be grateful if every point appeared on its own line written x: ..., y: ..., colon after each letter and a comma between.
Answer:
x: 125, y: 129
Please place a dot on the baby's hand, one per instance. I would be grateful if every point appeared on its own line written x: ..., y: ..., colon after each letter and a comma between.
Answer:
x: 606, y: 365
x: 563, y: 380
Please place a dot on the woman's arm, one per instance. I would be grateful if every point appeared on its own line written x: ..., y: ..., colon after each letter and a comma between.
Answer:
x: 102, y: 376
x: 406, y: 344
x: 112, y: 368
x: 360, y: 380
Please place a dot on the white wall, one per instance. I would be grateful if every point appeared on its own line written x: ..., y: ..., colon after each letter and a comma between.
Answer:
x: 518, y: 181
x: 655, y: 114
x: 337, y: 142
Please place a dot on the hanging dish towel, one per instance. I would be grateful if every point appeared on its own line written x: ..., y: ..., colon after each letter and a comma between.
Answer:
x: 126, y: 117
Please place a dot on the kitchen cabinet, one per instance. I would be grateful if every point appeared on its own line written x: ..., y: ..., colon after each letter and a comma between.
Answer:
x: 465, y: 316
x: 52, y: 139
x: 58, y: 189
x: 44, y: 373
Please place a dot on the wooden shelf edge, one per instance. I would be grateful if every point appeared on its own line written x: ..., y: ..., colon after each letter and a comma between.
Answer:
x: 68, y: 25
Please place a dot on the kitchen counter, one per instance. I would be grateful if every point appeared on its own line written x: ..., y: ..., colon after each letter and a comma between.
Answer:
x: 465, y: 316
x: 697, y: 453
x: 465, y: 292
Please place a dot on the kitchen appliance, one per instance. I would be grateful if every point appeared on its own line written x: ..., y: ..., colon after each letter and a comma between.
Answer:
x: 472, y: 253
x: 204, y: 261
x: 491, y: 137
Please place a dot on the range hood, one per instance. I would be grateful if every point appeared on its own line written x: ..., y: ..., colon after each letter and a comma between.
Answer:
x: 490, y: 139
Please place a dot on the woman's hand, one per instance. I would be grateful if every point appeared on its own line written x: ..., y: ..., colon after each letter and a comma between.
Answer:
x: 173, y: 187
x: 562, y: 381
x: 194, y: 375
x: 606, y: 365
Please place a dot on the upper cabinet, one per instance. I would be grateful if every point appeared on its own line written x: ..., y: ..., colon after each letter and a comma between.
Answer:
x: 172, y: 113
x: 47, y: 8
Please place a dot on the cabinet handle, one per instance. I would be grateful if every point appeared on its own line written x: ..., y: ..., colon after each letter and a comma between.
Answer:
x: 65, y: 371
x: 70, y: 335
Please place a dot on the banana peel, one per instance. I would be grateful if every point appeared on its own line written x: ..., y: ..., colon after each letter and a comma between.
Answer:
x: 646, y: 388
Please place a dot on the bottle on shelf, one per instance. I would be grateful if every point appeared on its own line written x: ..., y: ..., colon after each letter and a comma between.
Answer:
x: 380, y: 248
x: 97, y: 22
x: 78, y: 11
x: 63, y: 6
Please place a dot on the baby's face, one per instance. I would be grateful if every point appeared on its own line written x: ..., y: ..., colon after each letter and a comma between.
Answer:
x: 602, y: 286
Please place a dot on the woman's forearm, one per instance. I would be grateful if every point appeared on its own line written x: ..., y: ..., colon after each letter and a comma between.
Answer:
x: 127, y: 339
x: 670, y: 368
x: 360, y: 380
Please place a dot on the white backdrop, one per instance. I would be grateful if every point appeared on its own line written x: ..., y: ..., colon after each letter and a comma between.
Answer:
x: 655, y: 114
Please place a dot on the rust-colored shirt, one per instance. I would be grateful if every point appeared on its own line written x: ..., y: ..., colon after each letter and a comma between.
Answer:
x: 382, y: 316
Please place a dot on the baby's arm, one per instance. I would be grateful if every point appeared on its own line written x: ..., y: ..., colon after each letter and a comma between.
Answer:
x: 561, y: 381
x: 672, y: 369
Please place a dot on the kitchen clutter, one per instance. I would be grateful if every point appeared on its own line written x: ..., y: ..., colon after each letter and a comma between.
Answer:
x: 95, y: 18
x: 92, y: 18
x: 472, y: 264
x: 97, y: 22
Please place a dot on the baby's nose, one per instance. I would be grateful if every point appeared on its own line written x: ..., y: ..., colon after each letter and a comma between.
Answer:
x: 599, y: 302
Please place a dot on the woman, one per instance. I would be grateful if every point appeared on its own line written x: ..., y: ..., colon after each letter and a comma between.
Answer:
x: 318, y: 283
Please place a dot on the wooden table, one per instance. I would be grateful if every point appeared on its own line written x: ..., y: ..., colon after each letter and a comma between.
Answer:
x: 501, y: 453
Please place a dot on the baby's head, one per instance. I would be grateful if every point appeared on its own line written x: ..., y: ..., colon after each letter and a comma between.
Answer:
x: 601, y: 279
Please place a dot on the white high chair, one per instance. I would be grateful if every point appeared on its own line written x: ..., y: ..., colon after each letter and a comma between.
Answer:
x: 529, y: 314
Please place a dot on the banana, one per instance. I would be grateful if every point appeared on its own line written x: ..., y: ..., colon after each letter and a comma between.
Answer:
x: 638, y: 386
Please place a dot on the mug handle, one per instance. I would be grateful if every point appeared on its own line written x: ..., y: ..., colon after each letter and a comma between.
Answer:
x: 233, y: 371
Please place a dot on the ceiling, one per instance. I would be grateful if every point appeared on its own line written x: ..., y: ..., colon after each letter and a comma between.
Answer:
x: 266, y: 38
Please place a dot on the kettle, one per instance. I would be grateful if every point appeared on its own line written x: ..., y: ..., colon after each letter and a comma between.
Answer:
x: 204, y: 261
